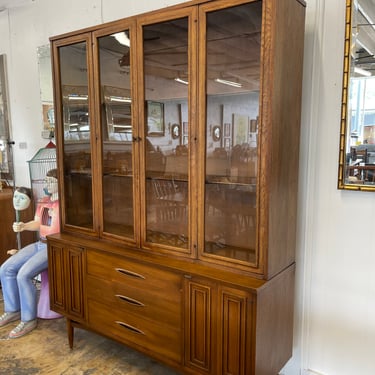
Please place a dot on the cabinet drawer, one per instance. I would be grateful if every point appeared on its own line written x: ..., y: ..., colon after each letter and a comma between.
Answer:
x: 131, y: 273
x: 150, y: 301
x: 131, y: 328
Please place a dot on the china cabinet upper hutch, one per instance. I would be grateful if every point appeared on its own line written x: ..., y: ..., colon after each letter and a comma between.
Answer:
x: 178, y: 143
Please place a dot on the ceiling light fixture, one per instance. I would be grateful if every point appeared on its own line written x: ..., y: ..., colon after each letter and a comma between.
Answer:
x: 120, y: 100
x: 179, y: 80
x: 229, y: 83
x: 122, y: 38
x: 77, y: 97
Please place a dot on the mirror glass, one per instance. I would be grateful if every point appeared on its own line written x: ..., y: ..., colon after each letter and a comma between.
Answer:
x: 46, y: 90
x: 6, y: 169
x: 357, y: 137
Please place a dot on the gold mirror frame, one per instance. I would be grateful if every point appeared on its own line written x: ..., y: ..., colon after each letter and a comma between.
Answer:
x: 355, y: 173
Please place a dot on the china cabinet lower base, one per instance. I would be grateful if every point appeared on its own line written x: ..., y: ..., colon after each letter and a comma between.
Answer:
x: 192, y: 317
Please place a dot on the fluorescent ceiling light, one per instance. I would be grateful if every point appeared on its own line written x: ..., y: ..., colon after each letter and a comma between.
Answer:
x: 122, y: 38
x: 181, y: 81
x: 121, y: 100
x: 229, y: 83
x: 77, y: 97
x: 362, y: 72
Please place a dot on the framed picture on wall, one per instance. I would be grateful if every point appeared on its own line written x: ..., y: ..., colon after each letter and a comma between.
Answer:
x: 240, y: 129
x: 253, y: 126
x: 155, y: 119
x: 185, y: 128
x: 227, y: 130
x: 48, y: 116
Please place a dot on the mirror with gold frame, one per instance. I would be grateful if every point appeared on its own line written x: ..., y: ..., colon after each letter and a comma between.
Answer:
x: 357, y: 133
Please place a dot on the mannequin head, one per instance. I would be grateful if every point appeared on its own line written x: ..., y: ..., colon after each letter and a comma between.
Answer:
x: 22, y: 198
x: 51, y: 187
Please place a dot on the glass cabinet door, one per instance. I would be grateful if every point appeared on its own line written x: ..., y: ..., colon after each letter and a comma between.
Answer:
x: 167, y: 127
x: 116, y: 104
x: 232, y: 59
x: 76, y: 129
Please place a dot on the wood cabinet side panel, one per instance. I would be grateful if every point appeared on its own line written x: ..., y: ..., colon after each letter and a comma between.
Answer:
x: 274, y: 323
x: 282, y: 74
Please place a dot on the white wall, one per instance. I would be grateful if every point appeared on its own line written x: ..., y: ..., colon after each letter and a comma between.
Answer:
x: 335, y: 303
x: 335, y: 291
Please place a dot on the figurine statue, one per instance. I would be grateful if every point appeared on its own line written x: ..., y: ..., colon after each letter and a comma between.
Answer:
x: 17, y: 272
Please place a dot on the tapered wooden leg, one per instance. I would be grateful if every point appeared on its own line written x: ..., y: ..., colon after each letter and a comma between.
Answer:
x: 70, y: 329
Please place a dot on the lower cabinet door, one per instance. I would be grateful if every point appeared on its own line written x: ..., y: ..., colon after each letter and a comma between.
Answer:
x: 200, y: 311
x: 75, y: 276
x: 56, y: 277
x: 218, y: 328
x: 66, y: 280
x: 235, y: 320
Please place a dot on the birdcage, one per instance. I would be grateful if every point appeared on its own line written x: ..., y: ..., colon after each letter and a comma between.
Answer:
x: 42, y: 162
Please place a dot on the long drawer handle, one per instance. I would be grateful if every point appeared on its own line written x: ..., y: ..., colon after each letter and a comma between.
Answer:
x: 130, y: 273
x: 129, y: 300
x: 130, y: 327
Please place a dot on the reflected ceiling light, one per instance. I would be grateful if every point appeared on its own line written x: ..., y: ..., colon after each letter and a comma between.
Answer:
x: 179, y: 80
x: 77, y: 97
x: 122, y: 38
x: 120, y: 100
x: 362, y: 72
x: 229, y: 83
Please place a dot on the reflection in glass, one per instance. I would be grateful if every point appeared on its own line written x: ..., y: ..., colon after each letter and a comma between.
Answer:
x: 77, y: 154
x: 233, y: 57
x: 114, y: 50
x: 46, y: 89
x: 357, y: 144
x: 166, y: 64
x: 5, y: 161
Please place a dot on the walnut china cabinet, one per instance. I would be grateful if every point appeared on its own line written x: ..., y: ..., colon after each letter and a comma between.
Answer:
x: 178, y: 143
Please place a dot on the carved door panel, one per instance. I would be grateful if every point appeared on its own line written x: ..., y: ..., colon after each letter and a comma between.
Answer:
x: 66, y: 280
x: 218, y: 328
x: 235, y: 331
x: 200, y: 315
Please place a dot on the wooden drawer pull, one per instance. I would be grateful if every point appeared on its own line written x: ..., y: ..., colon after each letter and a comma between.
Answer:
x: 130, y: 328
x: 129, y: 300
x: 130, y: 273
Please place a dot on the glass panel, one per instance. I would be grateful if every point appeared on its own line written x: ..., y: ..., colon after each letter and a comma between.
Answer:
x: 77, y: 149
x: 114, y: 58
x: 6, y: 167
x: 166, y: 76
x: 233, y: 72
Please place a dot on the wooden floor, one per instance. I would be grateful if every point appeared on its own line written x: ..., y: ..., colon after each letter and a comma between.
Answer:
x: 46, y: 351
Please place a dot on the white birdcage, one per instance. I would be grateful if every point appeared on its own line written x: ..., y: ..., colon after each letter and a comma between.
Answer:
x: 42, y: 162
